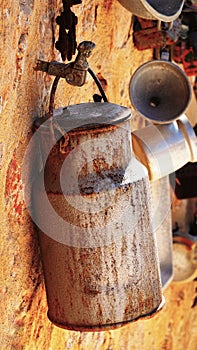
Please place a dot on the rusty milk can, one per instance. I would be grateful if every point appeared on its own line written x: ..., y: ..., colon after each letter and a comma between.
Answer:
x: 93, y: 213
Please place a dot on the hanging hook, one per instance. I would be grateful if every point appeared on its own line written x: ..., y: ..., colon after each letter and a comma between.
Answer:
x: 74, y: 74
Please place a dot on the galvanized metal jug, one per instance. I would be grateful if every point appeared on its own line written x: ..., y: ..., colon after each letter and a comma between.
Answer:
x: 93, y: 212
x: 164, y: 148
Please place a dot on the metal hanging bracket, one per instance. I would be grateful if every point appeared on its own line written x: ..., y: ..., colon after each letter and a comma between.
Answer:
x: 74, y: 72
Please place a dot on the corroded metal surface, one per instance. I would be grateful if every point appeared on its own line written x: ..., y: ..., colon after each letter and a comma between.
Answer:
x: 74, y: 72
x: 105, y: 271
x: 23, y: 304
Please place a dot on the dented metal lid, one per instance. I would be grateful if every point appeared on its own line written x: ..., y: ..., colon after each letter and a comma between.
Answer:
x: 86, y: 116
x: 91, y: 114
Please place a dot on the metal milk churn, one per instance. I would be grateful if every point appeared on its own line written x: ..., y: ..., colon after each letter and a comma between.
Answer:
x: 160, y: 92
x: 93, y: 213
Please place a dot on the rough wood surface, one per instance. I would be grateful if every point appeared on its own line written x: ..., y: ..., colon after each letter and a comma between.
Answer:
x: 27, y: 30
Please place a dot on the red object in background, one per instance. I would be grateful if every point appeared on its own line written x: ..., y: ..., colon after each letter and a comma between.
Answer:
x: 147, y: 35
x: 189, y: 60
x: 186, y: 56
x: 178, y: 51
x: 145, y: 23
x: 151, y: 38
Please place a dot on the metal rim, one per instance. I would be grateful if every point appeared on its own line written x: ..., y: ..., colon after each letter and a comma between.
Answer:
x: 144, y: 9
x: 173, y: 68
x: 162, y: 16
x: 110, y: 326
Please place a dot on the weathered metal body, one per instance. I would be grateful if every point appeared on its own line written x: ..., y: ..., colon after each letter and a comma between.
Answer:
x: 162, y: 223
x: 164, y: 148
x: 102, y: 269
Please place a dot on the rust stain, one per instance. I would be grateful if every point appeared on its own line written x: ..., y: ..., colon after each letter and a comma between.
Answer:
x: 111, y: 40
x: 108, y: 4
x: 103, y: 81
x: 14, y: 190
x: 1, y: 153
x: 181, y: 295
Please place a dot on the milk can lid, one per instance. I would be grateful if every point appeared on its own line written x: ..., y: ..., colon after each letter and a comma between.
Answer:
x: 91, y: 114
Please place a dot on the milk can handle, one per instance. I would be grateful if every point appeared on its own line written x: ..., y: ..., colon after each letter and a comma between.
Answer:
x: 63, y: 144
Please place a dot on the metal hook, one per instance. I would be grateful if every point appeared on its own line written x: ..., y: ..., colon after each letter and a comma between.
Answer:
x: 74, y: 74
